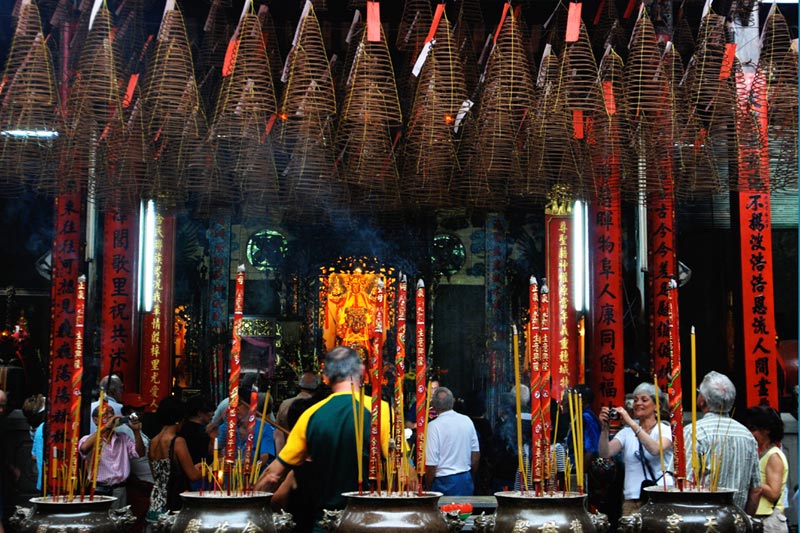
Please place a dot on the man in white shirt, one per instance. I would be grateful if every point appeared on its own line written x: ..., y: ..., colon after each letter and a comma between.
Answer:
x: 452, y: 450
x: 112, y: 384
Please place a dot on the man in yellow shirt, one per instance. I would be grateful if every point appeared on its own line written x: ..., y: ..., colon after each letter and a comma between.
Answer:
x: 325, y: 435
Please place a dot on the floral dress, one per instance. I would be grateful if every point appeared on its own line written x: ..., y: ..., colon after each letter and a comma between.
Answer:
x: 158, y: 498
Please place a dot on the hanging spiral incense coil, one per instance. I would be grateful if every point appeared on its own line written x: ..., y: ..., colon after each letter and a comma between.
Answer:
x: 176, y: 123
x: 502, y: 118
x: 431, y: 147
x: 644, y: 84
x: 606, y: 29
x: 28, y: 103
x: 776, y: 76
x: 683, y: 39
x: 217, y: 31
x: 273, y: 47
x: 705, y: 88
x: 414, y: 24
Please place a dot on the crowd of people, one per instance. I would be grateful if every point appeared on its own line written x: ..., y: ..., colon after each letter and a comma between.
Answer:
x: 307, y: 456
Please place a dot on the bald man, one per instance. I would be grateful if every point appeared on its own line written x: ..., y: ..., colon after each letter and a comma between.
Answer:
x: 308, y: 385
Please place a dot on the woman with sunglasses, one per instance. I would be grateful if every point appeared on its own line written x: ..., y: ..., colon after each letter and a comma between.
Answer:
x: 638, y: 442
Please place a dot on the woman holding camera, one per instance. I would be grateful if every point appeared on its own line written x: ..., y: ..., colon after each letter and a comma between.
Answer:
x: 639, y: 443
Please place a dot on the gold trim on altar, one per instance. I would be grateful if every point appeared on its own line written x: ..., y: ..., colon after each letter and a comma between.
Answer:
x: 348, y: 305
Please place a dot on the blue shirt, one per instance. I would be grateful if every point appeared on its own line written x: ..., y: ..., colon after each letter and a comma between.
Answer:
x: 267, y: 442
x: 38, y: 452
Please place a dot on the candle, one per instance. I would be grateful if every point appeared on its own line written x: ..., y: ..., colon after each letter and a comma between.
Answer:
x: 377, y: 382
x: 53, y: 471
x: 535, y: 355
x: 235, y: 369
x: 517, y: 386
x: 358, y: 425
x: 695, y: 461
x: 97, y: 440
x: 544, y: 328
x: 421, y: 379
x: 215, y: 464
x: 399, y: 366
x: 658, y: 423
x: 77, y: 380
x: 251, y: 430
x: 675, y: 391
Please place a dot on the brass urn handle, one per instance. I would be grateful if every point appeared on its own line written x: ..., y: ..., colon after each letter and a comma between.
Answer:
x: 601, y: 522
x: 483, y: 523
x: 19, y: 519
x: 331, y: 519
x: 283, y: 521
x: 631, y: 523
x: 756, y: 525
x: 123, y: 518
x: 165, y: 522
x: 453, y: 521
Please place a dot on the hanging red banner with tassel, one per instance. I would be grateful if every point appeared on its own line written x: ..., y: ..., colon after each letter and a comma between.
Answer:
x: 563, y: 321
x: 755, y: 243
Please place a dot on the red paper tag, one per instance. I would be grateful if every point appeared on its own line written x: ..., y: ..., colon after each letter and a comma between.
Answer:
x: 373, y: 22
x: 727, y: 61
x: 436, y: 18
x: 270, y: 123
x: 126, y: 102
x: 629, y: 9
x: 573, y: 22
x: 230, y: 58
x: 608, y: 97
x: 502, y: 20
x: 577, y: 123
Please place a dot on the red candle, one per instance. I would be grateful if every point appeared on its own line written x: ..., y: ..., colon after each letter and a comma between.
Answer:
x: 421, y: 372
x: 77, y: 379
x: 544, y: 335
x: 377, y: 378
x: 233, y: 378
x: 535, y: 355
x: 399, y: 367
x: 251, y: 429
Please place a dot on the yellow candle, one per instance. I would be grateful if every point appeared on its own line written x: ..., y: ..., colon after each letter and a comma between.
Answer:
x: 658, y: 423
x: 101, y: 409
x: 215, y: 464
x: 695, y: 461
x: 517, y: 388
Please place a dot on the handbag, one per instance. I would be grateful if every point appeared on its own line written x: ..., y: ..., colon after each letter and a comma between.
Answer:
x: 646, y: 482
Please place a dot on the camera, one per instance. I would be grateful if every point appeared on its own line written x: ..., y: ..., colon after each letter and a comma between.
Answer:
x: 613, y: 415
x: 128, y: 419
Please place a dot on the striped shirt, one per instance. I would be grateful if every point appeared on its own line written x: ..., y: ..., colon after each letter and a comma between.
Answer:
x: 727, y: 438
x: 115, y: 458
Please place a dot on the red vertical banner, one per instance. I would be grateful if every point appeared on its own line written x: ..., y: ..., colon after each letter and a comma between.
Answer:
x: 376, y: 372
x: 235, y: 370
x: 563, y: 320
x: 118, y: 352
x: 755, y: 243
x: 157, y: 324
x: 607, y: 361
x: 64, y: 293
x: 663, y: 268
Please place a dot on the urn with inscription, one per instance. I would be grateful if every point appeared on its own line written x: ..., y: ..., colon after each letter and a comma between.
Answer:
x: 390, y: 513
x: 689, y: 511
x: 81, y: 515
x: 523, y: 512
x: 243, y: 513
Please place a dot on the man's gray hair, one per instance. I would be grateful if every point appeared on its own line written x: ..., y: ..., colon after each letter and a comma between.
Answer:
x: 443, y: 399
x: 342, y: 364
x: 308, y: 381
x: 719, y: 392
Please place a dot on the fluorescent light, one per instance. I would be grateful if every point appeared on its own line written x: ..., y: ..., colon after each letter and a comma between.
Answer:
x: 578, y: 259
x: 147, y: 251
x: 27, y: 134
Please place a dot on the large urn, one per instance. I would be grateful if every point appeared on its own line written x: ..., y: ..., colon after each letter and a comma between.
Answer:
x: 521, y: 512
x: 48, y: 514
x: 248, y: 512
x: 388, y: 513
x: 689, y: 511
